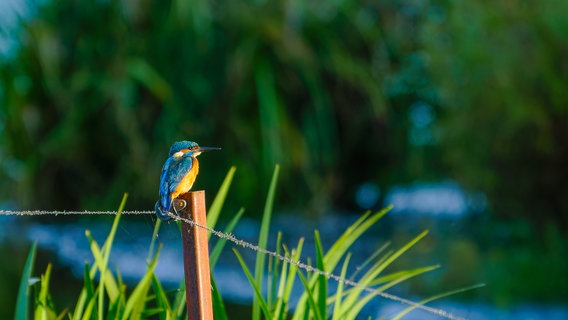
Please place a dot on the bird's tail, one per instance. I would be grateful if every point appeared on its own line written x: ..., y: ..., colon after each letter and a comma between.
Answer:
x: 161, y: 212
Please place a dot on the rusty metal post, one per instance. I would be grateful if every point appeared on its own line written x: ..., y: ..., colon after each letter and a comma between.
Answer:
x: 196, y: 257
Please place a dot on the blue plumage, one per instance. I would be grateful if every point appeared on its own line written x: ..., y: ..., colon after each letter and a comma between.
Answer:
x: 178, y: 174
x: 175, y: 169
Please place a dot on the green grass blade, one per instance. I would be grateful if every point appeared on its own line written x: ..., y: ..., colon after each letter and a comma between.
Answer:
x: 162, y: 303
x: 218, y: 305
x: 86, y: 293
x: 339, y: 291
x: 322, y: 280
x: 137, y: 300
x: 88, y: 314
x: 180, y: 301
x: 287, y: 281
x: 88, y: 282
x: 258, y: 293
x: 367, y: 279
x: 149, y: 313
x: 340, y: 247
x: 354, y: 232
x: 113, y: 293
x: 310, y: 297
x: 62, y: 315
x: 107, y: 281
x: 436, y: 297
x: 24, y: 291
x: 116, y: 309
x: 280, y: 303
x: 217, y: 204
x: 373, y: 272
x: 151, y: 251
x: 295, y: 254
x: 395, y: 279
x: 263, y: 239
x: 218, y: 248
x: 163, y: 306
x: 279, y: 310
x: 43, y: 308
x: 369, y: 260
x: 273, y: 269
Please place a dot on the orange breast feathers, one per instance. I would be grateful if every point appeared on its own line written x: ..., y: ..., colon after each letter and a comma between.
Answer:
x: 187, y: 182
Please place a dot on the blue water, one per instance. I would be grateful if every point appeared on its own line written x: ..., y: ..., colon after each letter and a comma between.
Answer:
x: 130, y: 254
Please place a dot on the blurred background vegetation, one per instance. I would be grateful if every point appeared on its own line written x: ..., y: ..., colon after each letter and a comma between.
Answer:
x: 340, y: 93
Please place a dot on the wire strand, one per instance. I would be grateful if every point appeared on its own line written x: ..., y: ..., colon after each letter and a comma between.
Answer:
x: 64, y: 212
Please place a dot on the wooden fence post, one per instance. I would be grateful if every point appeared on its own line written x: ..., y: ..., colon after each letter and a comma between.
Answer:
x: 196, y: 257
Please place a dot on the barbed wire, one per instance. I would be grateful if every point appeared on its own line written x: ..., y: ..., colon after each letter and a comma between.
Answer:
x: 248, y: 245
x: 64, y: 212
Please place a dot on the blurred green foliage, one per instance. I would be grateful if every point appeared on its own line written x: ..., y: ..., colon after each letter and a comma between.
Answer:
x: 97, y: 92
x: 335, y: 91
x: 502, y: 80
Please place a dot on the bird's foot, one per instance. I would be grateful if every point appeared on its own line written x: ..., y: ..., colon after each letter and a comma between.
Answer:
x: 179, y: 204
x: 161, y: 212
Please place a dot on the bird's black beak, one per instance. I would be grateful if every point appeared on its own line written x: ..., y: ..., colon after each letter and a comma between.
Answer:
x: 204, y: 149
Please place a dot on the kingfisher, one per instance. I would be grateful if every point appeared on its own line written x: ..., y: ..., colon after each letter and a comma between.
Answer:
x: 178, y: 174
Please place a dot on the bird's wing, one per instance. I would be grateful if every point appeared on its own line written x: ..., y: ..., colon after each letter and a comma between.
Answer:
x: 172, y: 173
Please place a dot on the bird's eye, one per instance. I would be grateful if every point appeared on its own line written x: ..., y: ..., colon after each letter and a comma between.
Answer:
x: 194, y: 148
